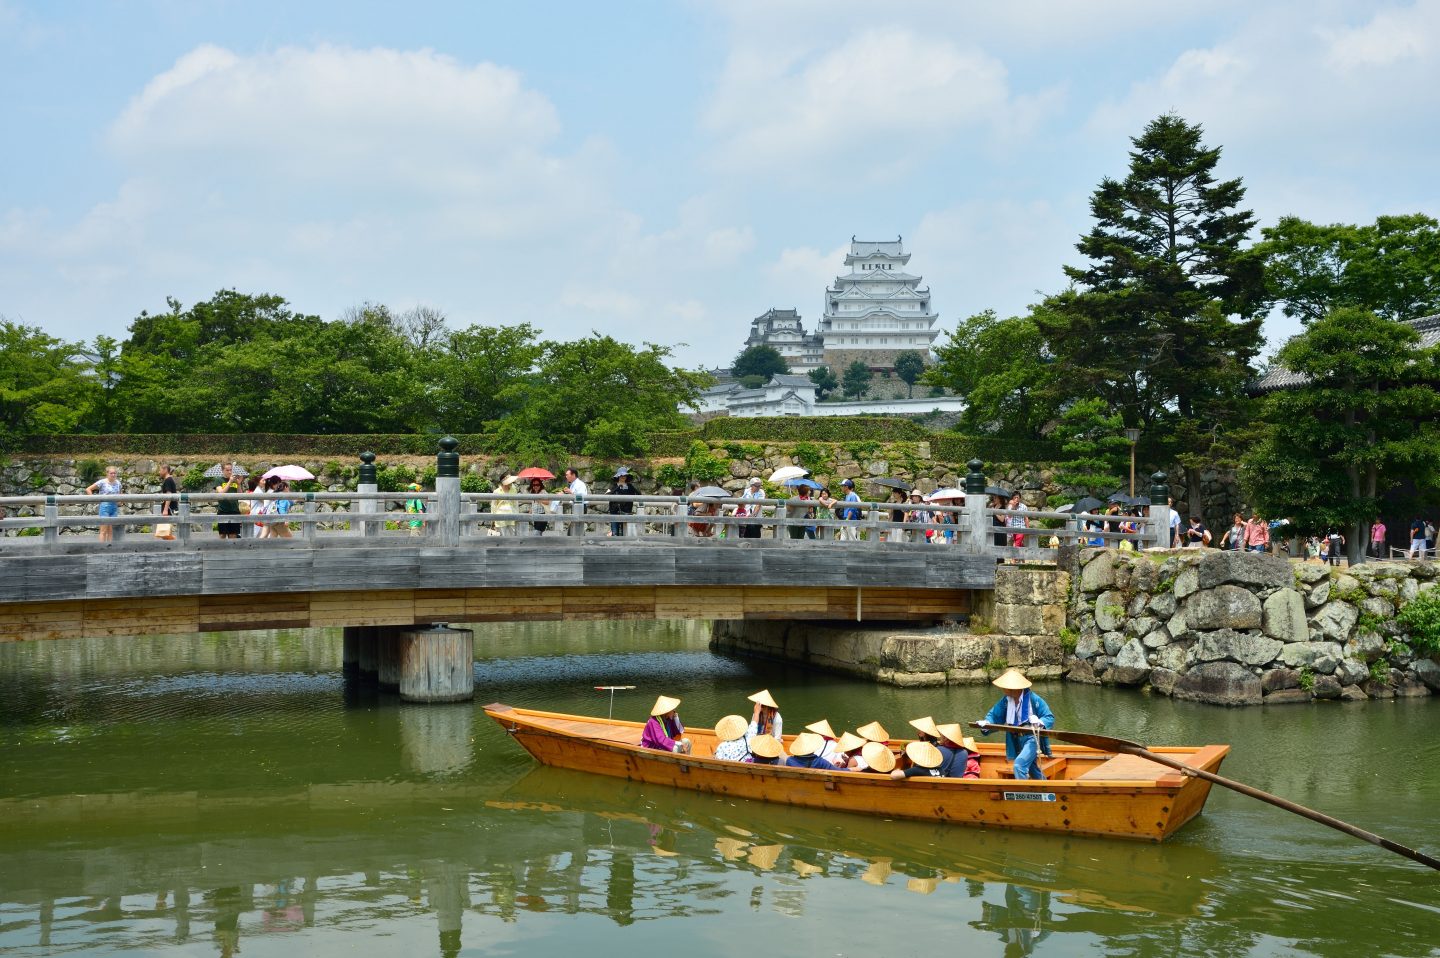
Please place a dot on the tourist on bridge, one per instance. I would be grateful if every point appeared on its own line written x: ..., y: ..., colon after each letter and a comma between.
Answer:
x: 730, y: 739
x: 664, y: 730
x: 805, y: 752
x: 415, y: 507
x: 110, y: 485
x: 801, y: 507
x: 765, y: 750
x: 504, y: 507
x: 622, y: 486
x: 849, y: 513
x: 765, y: 719
x: 917, y: 513
x: 755, y: 490
x: 1257, y: 533
x: 229, y: 485
x: 1019, y: 706
x: 539, y: 507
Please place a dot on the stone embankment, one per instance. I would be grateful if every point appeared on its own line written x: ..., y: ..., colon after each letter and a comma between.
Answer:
x: 1245, y: 629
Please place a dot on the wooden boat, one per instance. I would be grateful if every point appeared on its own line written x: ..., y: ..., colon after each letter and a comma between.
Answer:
x: 1087, y: 792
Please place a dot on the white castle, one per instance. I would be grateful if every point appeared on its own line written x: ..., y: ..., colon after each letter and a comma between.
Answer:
x: 872, y: 313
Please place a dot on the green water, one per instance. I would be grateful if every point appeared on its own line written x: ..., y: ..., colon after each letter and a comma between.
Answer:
x: 231, y: 795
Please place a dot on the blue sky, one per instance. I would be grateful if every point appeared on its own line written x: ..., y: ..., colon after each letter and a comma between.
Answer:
x: 660, y: 171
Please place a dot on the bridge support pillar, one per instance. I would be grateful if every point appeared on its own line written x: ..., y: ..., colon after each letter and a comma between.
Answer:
x: 350, y: 649
x: 387, y: 655
x: 369, y: 650
x: 437, y: 665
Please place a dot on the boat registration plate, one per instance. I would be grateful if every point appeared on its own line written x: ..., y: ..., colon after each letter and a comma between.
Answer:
x: 1029, y: 796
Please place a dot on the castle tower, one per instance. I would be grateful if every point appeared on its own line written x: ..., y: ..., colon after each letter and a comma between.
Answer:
x: 877, y: 310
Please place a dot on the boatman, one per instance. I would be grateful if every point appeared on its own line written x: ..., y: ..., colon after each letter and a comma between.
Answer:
x: 664, y: 730
x: 1020, y: 706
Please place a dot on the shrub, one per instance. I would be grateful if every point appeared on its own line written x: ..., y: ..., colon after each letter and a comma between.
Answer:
x: 1420, y: 620
x: 89, y: 470
x: 394, y: 478
x: 196, y: 481
x: 1380, y: 672
x: 1307, y: 678
x: 997, y: 665
x: 1069, y: 639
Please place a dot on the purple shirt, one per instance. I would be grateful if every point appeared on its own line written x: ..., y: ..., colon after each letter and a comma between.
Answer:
x: 660, y: 737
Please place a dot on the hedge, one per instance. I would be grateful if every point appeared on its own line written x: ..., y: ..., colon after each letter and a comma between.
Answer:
x: 953, y: 447
x: 254, y: 443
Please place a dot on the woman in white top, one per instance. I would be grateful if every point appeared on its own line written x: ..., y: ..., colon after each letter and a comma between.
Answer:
x: 765, y: 720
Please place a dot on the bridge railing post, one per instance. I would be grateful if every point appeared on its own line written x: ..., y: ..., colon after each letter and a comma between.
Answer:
x: 973, y: 534
x: 51, y: 532
x: 182, y: 519
x: 874, y: 524
x: 367, y: 482
x: 1160, y: 510
x: 447, y: 492
x: 310, y: 512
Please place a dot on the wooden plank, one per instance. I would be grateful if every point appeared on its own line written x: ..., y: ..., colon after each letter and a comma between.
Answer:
x: 250, y: 568
x: 23, y: 621
x: 115, y: 574
x: 513, y: 605
x: 541, y: 562
x: 776, y: 602
x: 388, y: 569
x: 634, y: 602
x: 162, y: 615
x: 467, y: 567
x: 615, y: 567
x: 390, y: 607
x: 440, y: 605
x: 893, y: 569
x: 732, y: 565
x: 689, y: 602
x: 279, y: 610
x: 804, y: 565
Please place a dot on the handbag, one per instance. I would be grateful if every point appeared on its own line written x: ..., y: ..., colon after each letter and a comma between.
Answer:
x: 164, y: 530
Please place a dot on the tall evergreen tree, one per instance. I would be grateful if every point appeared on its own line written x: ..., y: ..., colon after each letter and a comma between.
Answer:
x: 1165, y: 320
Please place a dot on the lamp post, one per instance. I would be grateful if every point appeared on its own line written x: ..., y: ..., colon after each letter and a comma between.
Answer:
x: 1134, y: 436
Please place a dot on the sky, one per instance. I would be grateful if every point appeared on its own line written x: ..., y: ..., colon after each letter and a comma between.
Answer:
x: 657, y: 171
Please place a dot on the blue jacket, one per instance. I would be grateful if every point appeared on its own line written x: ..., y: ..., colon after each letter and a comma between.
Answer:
x: 849, y: 512
x: 811, y: 761
x: 1030, y: 704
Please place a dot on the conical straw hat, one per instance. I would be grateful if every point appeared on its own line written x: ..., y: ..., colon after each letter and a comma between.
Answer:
x: 952, y: 732
x: 1012, y: 679
x: 924, y: 754
x: 849, y: 742
x: 806, y: 744
x: 664, y: 704
x: 875, y: 732
x: 878, y: 757
x: 926, y: 725
x: 763, y: 697
x: 822, y: 727
x: 729, y: 728
x: 766, y: 746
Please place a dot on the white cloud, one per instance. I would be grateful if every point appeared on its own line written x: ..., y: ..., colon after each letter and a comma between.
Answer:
x: 806, y: 270
x: 1390, y: 36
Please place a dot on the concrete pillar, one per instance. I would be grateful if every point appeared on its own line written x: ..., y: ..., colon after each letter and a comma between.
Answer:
x: 437, y: 665
x: 447, y: 492
x: 350, y: 648
x: 387, y: 655
x: 1160, y: 510
x: 367, y: 483
x: 369, y: 653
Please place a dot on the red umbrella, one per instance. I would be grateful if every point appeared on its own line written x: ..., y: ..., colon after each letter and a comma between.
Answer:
x: 535, y: 472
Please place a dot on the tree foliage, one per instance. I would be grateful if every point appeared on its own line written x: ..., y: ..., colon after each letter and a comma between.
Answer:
x: 759, y: 360
x: 43, y: 383
x: 1092, y: 439
x: 909, y: 366
x: 1001, y: 367
x: 1368, y: 418
x: 856, y: 381
x: 825, y: 382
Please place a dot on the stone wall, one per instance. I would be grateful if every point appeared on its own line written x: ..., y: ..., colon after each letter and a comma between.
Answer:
x: 1246, y: 629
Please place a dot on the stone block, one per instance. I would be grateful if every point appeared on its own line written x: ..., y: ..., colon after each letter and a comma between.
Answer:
x: 1109, y: 611
x: 1244, y: 568
x: 1346, y: 583
x: 1126, y: 675
x: 1132, y: 655
x: 1336, y: 620
x: 1113, y: 642
x: 918, y: 654
x: 1353, y: 693
x: 1157, y: 638
x: 972, y: 652
x: 1163, y: 680
x: 1016, y: 585
x: 1163, y: 605
x: 1311, y: 573
x: 1088, y: 646
x: 1283, y: 616
x: 1379, y: 607
x: 907, y: 680
x: 1312, y: 655
x: 1326, y: 687
x: 1367, y: 646
x: 1277, y: 679
x: 1351, y: 671
x: 1186, y: 582
x: 1017, y: 619
x: 1242, y: 647
x: 1052, y: 619
x: 1219, y: 683
x: 1171, y: 658
x: 1318, y: 595
x: 1099, y: 572
x: 1411, y: 688
x: 1083, y: 672
x: 1428, y: 672
x: 1223, y: 607
x: 1287, y: 697
x: 1143, y: 625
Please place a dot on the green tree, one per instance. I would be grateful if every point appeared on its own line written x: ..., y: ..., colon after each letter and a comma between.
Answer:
x: 1367, y: 419
x: 909, y: 366
x: 1093, y: 441
x: 1391, y: 268
x: 763, y: 361
x: 473, y: 376
x: 1164, y: 322
x: 825, y: 382
x: 42, y: 383
x: 1002, y: 368
x: 856, y: 381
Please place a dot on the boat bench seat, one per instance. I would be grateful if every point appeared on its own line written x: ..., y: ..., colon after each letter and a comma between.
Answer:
x: 1053, y: 767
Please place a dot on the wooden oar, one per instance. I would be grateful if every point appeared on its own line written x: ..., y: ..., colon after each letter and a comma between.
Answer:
x: 1105, y: 743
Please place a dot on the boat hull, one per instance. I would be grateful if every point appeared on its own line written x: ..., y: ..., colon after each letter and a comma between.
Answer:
x: 1148, y: 809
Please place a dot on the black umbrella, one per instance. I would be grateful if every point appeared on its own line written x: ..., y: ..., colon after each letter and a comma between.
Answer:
x: 997, y: 491
x: 1140, y: 501
x: 710, y: 492
x: 900, y: 484
x: 1121, y: 498
x: 1088, y: 504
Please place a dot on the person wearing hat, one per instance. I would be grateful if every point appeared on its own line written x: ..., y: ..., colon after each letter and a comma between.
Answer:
x: 415, y: 507
x: 878, y: 758
x: 917, y: 513
x: 504, y: 507
x: 765, y: 719
x: 874, y: 732
x: 765, y: 750
x: 664, y: 731
x: 925, y: 759
x: 754, y: 490
x: 961, y: 760
x: 731, y: 740
x: 848, y: 748
x: 827, y: 735
x: 622, y: 486
x: 1020, y: 706
x: 850, y: 533
x: 929, y: 731
x: 805, y: 752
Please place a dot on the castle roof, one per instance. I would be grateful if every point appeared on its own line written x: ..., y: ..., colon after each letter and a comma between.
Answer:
x: 1278, y: 377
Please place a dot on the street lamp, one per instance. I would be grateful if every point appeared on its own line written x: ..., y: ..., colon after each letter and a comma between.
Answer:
x: 1134, y: 436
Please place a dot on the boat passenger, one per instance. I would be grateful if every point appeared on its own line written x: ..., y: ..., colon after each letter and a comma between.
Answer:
x: 805, y: 753
x: 874, y: 732
x: 925, y: 759
x: 1020, y: 706
x: 878, y: 757
x: 731, y: 739
x: 765, y: 750
x: 664, y: 731
x: 848, y: 746
x: 828, y: 751
x: 765, y: 719
x: 929, y: 731
x: 961, y: 758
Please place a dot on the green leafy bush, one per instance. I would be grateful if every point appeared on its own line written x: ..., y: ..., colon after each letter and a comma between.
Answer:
x: 89, y: 470
x: 195, y: 480
x: 1069, y: 639
x: 394, y: 478
x: 1420, y: 620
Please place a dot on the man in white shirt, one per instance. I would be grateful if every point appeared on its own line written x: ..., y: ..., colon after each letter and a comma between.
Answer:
x: 1174, y: 525
x: 576, y: 487
x: 756, y: 490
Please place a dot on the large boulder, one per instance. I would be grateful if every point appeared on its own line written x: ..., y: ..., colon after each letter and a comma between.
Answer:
x: 1242, y: 647
x: 1083, y: 672
x: 1099, y: 572
x: 1163, y: 680
x: 918, y: 653
x: 1132, y: 656
x: 1171, y: 658
x: 1219, y: 683
x: 1309, y: 573
x: 1287, y: 697
x: 1366, y: 646
x: 1162, y: 606
x: 1284, y: 616
x: 972, y: 652
x: 1336, y: 620
x: 1223, y: 607
x: 1351, y: 671
x: 1245, y: 568
x: 1318, y: 595
x: 1088, y: 646
x: 1278, y: 679
x: 1186, y: 582
x: 1316, y: 656
x: 1113, y: 642
x: 1428, y: 672
x: 1109, y: 611
x: 1326, y: 687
